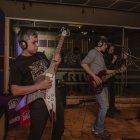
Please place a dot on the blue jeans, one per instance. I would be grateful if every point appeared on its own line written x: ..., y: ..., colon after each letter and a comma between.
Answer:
x: 102, y: 100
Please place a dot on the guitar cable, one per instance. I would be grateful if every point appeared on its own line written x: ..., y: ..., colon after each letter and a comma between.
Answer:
x: 83, y: 119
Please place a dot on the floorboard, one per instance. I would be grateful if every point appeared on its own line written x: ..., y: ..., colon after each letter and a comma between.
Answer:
x: 78, y: 122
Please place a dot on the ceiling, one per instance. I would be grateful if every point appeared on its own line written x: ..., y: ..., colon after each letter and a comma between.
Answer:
x: 119, y: 5
x: 111, y: 32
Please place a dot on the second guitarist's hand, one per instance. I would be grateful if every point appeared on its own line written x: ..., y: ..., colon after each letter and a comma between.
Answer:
x: 97, y: 79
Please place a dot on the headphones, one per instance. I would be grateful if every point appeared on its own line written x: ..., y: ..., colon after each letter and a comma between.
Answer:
x: 21, y: 39
x: 23, y: 36
x: 101, y: 40
x: 23, y: 44
x: 100, y: 43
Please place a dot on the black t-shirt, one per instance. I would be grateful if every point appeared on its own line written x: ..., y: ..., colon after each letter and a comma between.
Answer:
x: 108, y: 61
x: 25, y: 69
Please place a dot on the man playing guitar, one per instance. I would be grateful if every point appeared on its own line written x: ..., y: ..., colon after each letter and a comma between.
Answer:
x: 93, y: 64
x: 27, y: 67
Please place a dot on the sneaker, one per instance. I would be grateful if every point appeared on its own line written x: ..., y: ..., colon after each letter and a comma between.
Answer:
x: 102, y: 135
x: 105, y: 134
x: 109, y: 134
x: 92, y: 130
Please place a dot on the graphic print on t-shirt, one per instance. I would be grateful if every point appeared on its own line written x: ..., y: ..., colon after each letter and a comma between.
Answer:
x: 37, y: 68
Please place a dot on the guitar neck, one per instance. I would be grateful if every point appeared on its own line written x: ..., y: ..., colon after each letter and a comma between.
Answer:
x: 57, y: 51
x: 110, y: 75
x: 59, y: 46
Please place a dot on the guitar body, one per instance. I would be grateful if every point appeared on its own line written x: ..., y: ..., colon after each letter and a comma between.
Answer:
x: 27, y: 99
x: 97, y: 89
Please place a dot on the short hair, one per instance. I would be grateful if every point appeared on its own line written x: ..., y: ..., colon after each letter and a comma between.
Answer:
x: 100, y: 40
x: 24, y: 34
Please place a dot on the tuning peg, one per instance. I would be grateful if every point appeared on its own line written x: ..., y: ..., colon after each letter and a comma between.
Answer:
x: 65, y: 32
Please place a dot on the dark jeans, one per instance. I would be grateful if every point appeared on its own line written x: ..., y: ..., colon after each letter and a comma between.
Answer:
x: 111, y: 94
x: 39, y: 116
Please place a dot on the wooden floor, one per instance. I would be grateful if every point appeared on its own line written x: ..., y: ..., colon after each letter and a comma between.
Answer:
x: 78, y: 122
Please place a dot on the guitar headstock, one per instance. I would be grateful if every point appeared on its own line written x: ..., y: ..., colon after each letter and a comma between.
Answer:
x: 65, y: 31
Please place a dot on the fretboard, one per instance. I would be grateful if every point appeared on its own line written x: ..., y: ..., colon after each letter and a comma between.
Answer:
x: 106, y: 77
x: 57, y: 51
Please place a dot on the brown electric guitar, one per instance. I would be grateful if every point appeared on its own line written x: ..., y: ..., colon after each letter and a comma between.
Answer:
x: 97, y: 89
